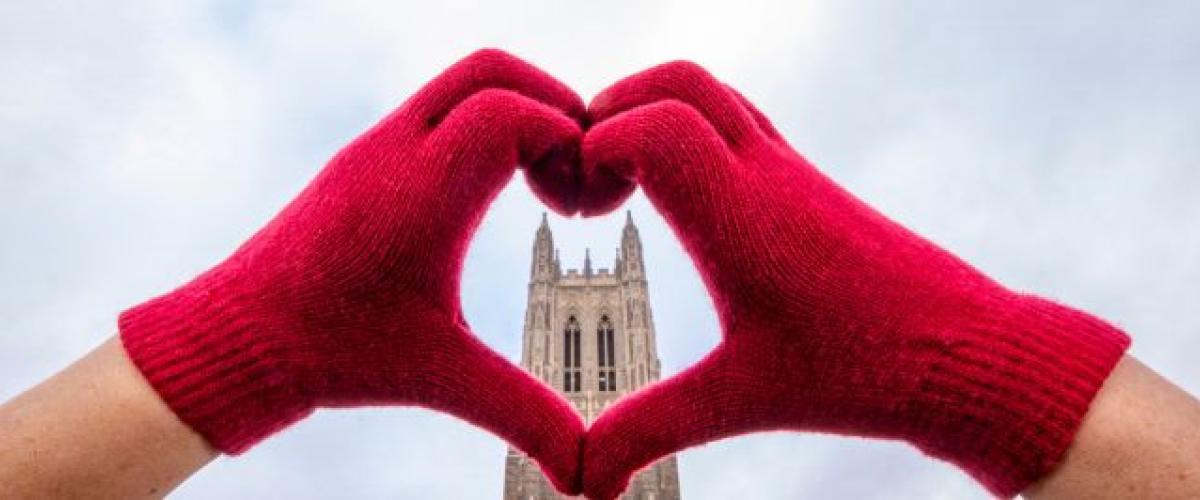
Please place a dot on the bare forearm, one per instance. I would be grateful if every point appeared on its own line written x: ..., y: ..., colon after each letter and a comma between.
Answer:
x: 95, y: 430
x: 1141, y: 439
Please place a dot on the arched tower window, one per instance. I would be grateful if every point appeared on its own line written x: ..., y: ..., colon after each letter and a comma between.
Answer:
x: 608, y: 355
x: 571, y: 364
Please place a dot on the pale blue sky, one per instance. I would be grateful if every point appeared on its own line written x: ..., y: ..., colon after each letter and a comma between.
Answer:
x: 1054, y: 146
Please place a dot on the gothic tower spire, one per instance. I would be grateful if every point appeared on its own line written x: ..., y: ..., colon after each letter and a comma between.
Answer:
x: 544, y: 263
x: 631, y: 265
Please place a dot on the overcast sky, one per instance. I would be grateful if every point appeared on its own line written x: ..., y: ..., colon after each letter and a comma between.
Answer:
x: 1055, y: 147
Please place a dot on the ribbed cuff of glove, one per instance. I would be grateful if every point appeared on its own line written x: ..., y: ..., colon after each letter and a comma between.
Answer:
x: 213, y: 362
x: 1007, y: 396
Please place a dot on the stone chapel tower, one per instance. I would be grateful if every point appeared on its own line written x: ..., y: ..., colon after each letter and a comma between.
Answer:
x: 590, y: 335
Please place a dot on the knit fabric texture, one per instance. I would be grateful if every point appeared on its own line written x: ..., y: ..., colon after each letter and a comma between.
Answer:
x: 350, y: 295
x: 834, y: 318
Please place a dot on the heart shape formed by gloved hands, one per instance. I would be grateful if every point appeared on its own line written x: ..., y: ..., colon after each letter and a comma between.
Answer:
x: 834, y: 318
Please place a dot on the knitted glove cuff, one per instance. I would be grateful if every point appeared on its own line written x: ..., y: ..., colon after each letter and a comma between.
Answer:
x: 1005, y: 397
x: 214, y: 360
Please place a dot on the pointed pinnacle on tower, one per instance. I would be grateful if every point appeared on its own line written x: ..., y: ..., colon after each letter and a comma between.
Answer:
x: 631, y: 262
x: 541, y: 267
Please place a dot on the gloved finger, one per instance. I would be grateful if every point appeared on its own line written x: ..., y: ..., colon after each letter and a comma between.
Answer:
x: 760, y: 118
x: 486, y: 69
x: 477, y: 385
x: 684, y: 167
x: 479, y: 146
x: 694, y: 407
x: 682, y: 81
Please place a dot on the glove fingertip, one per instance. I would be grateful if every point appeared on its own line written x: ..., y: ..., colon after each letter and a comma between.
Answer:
x: 555, y: 178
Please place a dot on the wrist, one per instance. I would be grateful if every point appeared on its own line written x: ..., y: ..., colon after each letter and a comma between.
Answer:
x: 1011, y: 383
x: 218, y: 359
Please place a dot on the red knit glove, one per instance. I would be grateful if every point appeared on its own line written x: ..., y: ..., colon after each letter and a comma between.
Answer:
x: 350, y: 296
x: 835, y: 318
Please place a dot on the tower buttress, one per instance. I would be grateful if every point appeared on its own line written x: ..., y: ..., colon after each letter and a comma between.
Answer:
x: 543, y: 271
x: 642, y: 364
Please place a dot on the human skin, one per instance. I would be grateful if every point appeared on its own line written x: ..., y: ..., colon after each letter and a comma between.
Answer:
x: 1140, y: 439
x: 95, y: 430
x: 98, y: 430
